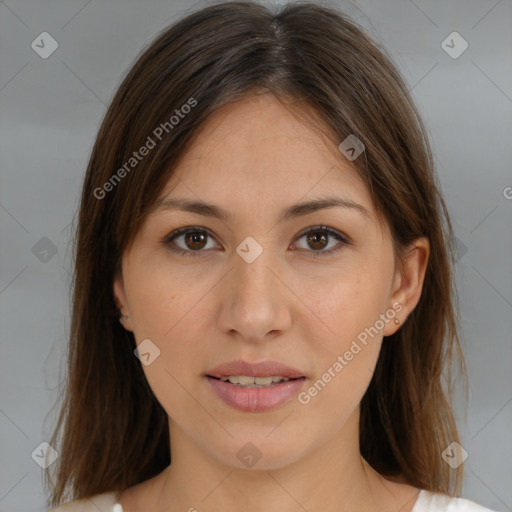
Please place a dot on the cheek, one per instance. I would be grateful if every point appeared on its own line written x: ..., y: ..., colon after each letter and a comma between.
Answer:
x: 348, y: 300
x: 345, y: 355
x: 168, y: 308
x: 168, y: 311
x: 161, y: 299
x: 346, y: 343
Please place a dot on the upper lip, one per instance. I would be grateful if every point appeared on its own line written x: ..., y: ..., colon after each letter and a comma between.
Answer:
x: 261, y: 369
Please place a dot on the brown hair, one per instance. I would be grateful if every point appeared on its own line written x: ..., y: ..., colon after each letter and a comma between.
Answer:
x: 111, y: 432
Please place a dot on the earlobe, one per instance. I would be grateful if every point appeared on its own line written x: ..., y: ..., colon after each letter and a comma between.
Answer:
x: 409, y: 284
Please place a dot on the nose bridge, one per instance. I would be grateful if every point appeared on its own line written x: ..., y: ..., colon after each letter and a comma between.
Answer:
x: 256, y: 304
x: 255, y: 284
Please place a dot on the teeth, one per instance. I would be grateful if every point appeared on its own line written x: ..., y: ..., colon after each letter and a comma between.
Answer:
x: 246, y: 381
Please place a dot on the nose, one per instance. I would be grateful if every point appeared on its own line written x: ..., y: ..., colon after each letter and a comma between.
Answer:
x: 256, y: 304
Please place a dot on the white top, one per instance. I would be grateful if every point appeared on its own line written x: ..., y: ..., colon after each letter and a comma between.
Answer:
x: 426, y: 502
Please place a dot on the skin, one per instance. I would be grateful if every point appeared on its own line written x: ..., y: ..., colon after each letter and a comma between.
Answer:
x: 287, y: 305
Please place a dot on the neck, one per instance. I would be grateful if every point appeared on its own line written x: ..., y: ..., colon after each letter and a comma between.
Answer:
x: 332, y: 477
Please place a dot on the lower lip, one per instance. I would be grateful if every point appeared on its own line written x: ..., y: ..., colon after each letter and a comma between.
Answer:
x: 256, y: 399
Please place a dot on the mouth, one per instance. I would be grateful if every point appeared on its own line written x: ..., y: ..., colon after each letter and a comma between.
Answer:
x: 246, y: 381
x: 255, y: 387
x: 244, y: 370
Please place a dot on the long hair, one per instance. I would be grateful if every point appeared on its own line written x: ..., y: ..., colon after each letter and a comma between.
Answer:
x: 111, y: 432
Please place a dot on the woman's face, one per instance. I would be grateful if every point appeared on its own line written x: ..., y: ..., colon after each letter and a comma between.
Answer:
x: 265, y: 284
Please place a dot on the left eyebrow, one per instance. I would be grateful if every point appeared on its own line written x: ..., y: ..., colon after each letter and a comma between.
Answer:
x: 306, y: 208
x: 293, y: 211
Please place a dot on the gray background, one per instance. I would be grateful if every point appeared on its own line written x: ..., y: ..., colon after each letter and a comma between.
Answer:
x: 51, y: 110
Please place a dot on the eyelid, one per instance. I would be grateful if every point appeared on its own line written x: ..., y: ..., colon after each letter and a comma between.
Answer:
x: 343, y: 240
x: 321, y: 227
x: 168, y: 239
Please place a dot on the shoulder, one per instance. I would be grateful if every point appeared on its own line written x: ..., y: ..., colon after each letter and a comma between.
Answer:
x: 105, y: 502
x: 432, y: 502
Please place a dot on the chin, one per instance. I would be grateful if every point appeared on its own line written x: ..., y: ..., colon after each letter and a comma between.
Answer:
x: 260, y: 451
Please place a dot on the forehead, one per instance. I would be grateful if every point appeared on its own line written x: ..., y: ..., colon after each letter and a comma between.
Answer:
x: 257, y: 151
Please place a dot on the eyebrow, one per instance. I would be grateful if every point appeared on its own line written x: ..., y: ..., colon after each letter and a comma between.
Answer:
x: 293, y: 211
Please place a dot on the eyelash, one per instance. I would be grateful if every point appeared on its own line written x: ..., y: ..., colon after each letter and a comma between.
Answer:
x: 169, y: 239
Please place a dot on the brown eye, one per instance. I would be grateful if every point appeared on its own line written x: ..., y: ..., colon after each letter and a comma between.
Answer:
x: 320, y: 238
x: 317, y: 240
x: 195, y: 240
x: 189, y: 241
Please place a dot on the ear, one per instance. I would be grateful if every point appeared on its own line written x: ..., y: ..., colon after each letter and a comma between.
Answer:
x: 122, y: 303
x: 408, y: 283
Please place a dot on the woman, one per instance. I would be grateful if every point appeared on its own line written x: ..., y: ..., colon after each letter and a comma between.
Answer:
x: 264, y: 305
